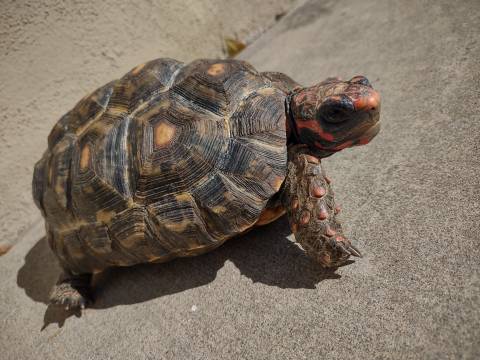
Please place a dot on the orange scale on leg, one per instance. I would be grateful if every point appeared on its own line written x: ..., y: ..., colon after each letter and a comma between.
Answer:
x: 305, y: 218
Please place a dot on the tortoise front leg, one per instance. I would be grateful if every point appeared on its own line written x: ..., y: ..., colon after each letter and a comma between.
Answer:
x: 311, y: 210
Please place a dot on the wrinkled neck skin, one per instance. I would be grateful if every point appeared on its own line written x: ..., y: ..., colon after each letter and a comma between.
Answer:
x: 293, y: 137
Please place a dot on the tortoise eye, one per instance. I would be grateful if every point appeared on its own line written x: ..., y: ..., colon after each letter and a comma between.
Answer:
x: 336, y: 109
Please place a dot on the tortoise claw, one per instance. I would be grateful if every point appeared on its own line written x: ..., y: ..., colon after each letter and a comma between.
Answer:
x: 354, y: 251
x: 343, y: 248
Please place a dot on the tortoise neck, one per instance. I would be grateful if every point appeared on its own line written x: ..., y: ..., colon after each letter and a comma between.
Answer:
x: 292, y: 131
x: 293, y: 135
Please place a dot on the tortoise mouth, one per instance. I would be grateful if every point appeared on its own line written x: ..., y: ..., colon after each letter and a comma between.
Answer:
x: 369, y: 134
x: 360, y: 135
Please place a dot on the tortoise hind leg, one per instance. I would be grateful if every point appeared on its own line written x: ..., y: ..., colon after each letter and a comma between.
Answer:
x: 72, y: 291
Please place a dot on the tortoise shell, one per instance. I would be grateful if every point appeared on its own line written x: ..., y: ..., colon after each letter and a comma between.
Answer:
x: 170, y: 160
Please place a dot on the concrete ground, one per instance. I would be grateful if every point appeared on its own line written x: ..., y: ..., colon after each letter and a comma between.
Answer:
x: 411, y: 200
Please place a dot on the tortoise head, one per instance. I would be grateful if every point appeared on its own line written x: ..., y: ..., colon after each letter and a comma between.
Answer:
x: 335, y: 114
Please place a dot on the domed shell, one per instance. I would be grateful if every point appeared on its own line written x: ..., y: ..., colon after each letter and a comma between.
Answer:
x: 170, y: 160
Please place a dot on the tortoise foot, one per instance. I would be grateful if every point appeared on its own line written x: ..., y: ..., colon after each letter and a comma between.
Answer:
x: 72, y: 292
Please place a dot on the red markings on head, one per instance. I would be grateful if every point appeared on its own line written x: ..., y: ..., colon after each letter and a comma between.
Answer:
x: 335, y: 115
x: 344, y: 145
x: 314, y: 126
x: 363, y: 141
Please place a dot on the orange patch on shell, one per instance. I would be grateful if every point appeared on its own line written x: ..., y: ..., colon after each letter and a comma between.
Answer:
x: 85, y: 157
x: 137, y: 69
x: 163, y: 134
x: 216, y: 69
x: 269, y: 215
x: 266, y: 91
x: 277, y: 182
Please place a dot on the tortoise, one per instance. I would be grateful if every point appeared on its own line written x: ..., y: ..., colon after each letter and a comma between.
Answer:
x: 173, y: 159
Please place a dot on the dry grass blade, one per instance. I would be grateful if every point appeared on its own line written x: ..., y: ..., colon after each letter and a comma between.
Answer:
x: 234, y: 46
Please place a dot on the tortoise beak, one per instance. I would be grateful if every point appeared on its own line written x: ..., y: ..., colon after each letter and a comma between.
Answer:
x: 368, y: 135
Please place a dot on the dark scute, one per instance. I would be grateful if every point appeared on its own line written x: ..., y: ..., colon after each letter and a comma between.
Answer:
x: 180, y: 223
x: 90, y: 192
x: 72, y: 253
x: 138, y: 86
x: 191, y: 155
x: 39, y: 181
x: 82, y: 113
x: 135, y: 237
x: 204, y: 93
x: 237, y: 159
x: 267, y: 153
x: 258, y: 113
x: 56, y: 200
x: 228, y: 210
x: 97, y: 245
x: 171, y: 170
x: 281, y: 81
x: 217, y: 92
x: 117, y: 158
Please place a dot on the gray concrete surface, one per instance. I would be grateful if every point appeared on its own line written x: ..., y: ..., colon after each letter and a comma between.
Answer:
x: 55, y: 52
x: 411, y: 199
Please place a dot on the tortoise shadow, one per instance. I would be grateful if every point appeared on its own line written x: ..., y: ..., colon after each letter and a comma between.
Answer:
x: 265, y: 255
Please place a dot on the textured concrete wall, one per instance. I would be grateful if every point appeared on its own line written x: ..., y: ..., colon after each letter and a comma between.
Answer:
x: 54, y: 52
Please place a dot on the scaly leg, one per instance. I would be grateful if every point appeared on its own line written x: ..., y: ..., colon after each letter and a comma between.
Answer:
x: 311, y: 210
